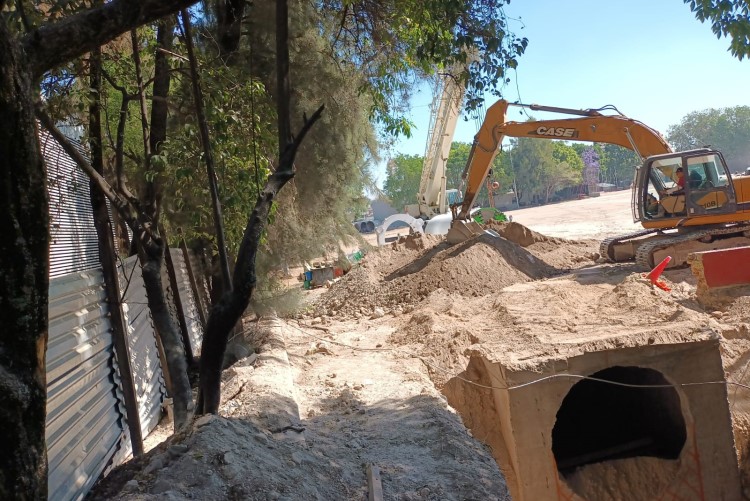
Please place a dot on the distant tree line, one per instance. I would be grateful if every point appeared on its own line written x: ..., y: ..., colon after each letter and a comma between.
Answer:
x: 540, y: 170
x: 536, y: 170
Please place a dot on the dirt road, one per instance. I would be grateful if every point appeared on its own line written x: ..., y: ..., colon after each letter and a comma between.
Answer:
x: 597, y: 217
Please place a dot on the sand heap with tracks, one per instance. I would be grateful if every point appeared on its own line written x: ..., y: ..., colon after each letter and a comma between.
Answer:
x: 407, y: 271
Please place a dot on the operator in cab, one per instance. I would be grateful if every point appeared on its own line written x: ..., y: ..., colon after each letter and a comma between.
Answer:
x: 672, y: 201
x: 679, y: 186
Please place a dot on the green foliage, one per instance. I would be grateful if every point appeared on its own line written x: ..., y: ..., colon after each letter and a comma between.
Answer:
x: 618, y: 165
x: 239, y: 128
x: 539, y: 170
x: 728, y: 18
x: 726, y: 129
x: 454, y: 167
x: 556, y: 176
x: 562, y: 152
x: 392, y: 41
x: 530, y: 158
x: 402, y: 182
x: 314, y: 211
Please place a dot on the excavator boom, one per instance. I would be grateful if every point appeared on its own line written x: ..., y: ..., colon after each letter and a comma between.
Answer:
x: 589, y: 126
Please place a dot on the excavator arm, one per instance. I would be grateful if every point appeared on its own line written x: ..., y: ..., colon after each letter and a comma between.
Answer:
x: 591, y: 125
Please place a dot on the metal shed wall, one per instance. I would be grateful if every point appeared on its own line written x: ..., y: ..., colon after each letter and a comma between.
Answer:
x: 189, y: 305
x: 73, y: 239
x: 85, y: 418
x: 144, y: 356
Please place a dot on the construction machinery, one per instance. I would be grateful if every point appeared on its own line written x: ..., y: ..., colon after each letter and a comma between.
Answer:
x: 708, y: 210
x: 433, y: 198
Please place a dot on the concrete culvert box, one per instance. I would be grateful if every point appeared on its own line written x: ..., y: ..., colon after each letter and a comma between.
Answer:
x: 639, y: 429
x: 609, y: 436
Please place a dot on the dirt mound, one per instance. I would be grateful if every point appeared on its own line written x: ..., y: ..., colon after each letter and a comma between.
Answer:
x: 566, y: 254
x: 518, y: 233
x: 624, y: 479
x: 557, y: 252
x: 410, y: 270
x: 438, y: 334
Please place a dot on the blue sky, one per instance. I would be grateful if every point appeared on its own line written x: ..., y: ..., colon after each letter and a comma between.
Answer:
x: 651, y: 58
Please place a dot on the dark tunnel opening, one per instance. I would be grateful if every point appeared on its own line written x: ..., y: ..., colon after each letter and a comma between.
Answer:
x: 599, y: 421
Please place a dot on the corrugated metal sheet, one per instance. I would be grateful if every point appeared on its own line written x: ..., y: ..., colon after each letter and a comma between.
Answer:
x: 73, y: 244
x: 144, y: 357
x: 85, y: 418
x: 189, y: 306
x: 199, y: 272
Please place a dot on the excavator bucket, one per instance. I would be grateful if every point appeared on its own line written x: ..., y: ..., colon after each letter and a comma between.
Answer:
x: 461, y: 231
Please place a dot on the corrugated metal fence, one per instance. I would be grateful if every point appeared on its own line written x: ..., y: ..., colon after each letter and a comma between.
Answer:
x: 84, y: 414
x: 144, y: 354
x: 73, y: 239
x: 86, y: 429
x: 189, y: 302
x: 86, y: 418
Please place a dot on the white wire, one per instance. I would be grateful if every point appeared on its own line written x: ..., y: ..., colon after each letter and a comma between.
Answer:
x: 522, y: 385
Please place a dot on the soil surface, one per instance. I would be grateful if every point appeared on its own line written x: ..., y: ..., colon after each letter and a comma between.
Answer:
x: 356, y: 380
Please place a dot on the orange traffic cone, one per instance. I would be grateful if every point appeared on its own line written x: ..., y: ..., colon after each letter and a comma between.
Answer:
x: 654, y: 274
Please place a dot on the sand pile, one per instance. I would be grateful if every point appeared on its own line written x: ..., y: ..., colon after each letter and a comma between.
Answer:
x: 520, y: 234
x: 630, y: 479
x: 409, y: 270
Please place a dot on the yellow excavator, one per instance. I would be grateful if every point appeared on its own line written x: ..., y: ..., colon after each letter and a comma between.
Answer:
x: 686, y: 201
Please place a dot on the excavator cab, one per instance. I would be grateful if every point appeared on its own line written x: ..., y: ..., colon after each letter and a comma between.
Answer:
x: 683, y: 185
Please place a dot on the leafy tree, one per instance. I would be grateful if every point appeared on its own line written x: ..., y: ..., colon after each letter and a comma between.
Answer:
x: 454, y: 167
x: 728, y: 18
x: 402, y: 182
x: 227, y: 311
x: 389, y: 39
x: 531, y: 159
x: 24, y: 272
x: 542, y: 167
x: 238, y: 115
x: 315, y: 212
x: 556, y: 176
x: 620, y: 165
x: 565, y: 153
x: 726, y: 129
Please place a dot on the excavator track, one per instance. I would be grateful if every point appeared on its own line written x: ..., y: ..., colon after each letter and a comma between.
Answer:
x: 644, y: 256
x: 607, y: 246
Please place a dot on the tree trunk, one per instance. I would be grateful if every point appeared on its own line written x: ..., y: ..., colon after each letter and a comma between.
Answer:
x: 208, y: 155
x: 152, y: 256
x: 24, y: 226
x: 152, y: 261
x: 121, y: 228
x: 229, y: 25
x: 107, y: 257
x: 225, y: 314
x: 24, y: 282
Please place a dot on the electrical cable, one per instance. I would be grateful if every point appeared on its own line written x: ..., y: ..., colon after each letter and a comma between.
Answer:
x: 522, y: 385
